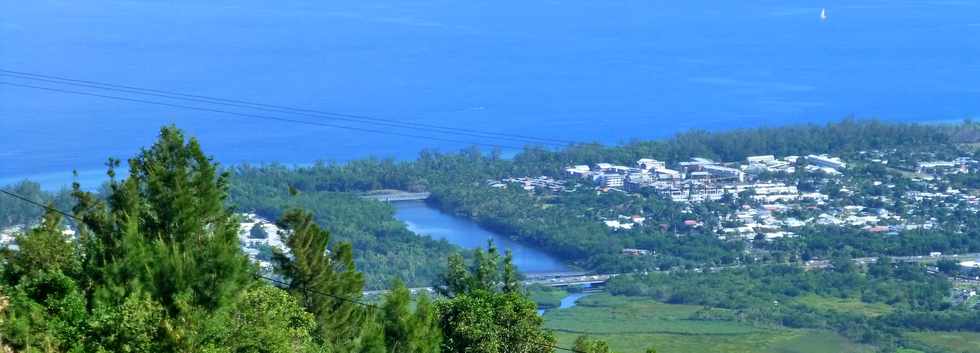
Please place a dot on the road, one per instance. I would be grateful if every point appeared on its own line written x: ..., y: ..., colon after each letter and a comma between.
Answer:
x: 396, y: 195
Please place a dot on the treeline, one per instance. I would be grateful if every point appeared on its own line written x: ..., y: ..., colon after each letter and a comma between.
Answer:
x: 156, y: 267
x: 905, y: 285
x: 838, y: 137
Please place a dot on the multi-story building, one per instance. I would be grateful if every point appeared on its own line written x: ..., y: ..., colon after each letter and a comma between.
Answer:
x: 720, y: 172
x: 826, y: 161
x: 611, y: 180
x: 636, y: 181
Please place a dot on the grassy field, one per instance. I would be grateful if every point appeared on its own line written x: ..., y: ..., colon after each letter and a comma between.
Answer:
x: 632, y: 324
x: 852, y: 305
x: 966, y: 342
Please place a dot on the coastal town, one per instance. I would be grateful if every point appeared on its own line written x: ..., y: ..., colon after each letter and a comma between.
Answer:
x: 776, y: 196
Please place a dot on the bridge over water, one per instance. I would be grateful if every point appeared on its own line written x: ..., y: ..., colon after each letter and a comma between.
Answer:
x: 558, y: 279
x: 572, y: 280
x: 396, y: 195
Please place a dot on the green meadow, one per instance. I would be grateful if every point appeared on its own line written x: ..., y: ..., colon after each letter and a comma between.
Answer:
x: 633, y: 324
x: 850, y: 305
x: 959, y: 342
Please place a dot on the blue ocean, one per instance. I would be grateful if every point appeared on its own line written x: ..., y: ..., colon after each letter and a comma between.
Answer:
x: 578, y: 70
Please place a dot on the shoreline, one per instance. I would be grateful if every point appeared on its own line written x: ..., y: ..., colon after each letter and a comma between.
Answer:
x: 93, y: 178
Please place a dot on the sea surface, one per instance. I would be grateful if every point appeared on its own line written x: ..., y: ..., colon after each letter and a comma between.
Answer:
x: 426, y: 220
x: 576, y: 70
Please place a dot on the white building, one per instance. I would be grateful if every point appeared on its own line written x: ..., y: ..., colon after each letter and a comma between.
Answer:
x: 718, y: 171
x: 650, y: 164
x: 611, y: 180
x: 760, y: 159
x: 578, y: 170
x: 669, y: 174
x: 826, y: 161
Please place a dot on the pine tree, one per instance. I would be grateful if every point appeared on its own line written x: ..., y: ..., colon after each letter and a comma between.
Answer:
x: 164, y: 231
x: 586, y: 345
x: 405, y: 332
x: 488, y: 313
x: 325, y: 282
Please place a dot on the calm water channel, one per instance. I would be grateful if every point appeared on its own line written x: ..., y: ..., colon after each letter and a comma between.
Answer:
x: 423, y: 219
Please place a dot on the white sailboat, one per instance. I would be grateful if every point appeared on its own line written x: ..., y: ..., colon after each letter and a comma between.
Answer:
x: 823, y: 14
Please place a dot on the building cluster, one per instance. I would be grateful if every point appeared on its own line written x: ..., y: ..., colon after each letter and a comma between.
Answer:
x: 253, y: 246
x: 624, y: 222
x: 769, y: 218
x: 541, y: 183
x: 701, y: 179
x: 772, y: 206
x: 934, y: 169
x: 770, y: 221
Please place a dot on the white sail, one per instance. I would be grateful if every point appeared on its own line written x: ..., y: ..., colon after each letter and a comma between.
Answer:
x: 823, y: 14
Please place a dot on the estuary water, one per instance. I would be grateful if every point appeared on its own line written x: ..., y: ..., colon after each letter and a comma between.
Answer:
x: 423, y: 219
x: 579, y: 70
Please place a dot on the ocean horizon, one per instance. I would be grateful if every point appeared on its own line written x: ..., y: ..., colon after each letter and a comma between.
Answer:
x: 574, y: 70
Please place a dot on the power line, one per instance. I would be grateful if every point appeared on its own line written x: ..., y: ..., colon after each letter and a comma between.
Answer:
x: 263, y: 117
x: 35, y: 203
x: 274, y: 281
x: 283, y: 109
x: 334, y: 296
x: 294, y: 111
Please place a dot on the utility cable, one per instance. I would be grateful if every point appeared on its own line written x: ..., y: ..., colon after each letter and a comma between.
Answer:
x: 263, y: 117
x: 284, y: 109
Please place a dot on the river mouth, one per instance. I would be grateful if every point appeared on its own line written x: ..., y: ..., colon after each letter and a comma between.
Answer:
x: 423, y: 219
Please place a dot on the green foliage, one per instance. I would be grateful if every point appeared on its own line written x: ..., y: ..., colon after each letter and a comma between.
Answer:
x: 325, y: 281
x: 490, y: 322
x: 949, y: 267
x: 135, y: 326
x: 156, y: 267
x: 407, y: 332
x: 165, y: 229
x: 488, y: 311
x: 42, y: 250
x: 487, y: 273
x: 587, y: 345
x: 268, y: 320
